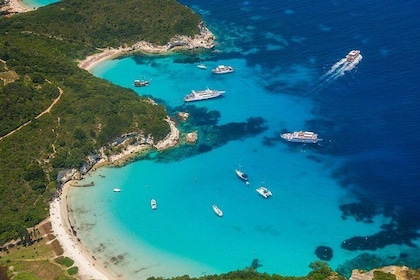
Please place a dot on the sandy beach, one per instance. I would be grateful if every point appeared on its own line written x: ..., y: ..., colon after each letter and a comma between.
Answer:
x: 89, y: 268
x: 16, y: 6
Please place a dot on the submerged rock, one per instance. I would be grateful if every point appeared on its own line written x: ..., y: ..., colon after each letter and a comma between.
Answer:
x: 324, y: 253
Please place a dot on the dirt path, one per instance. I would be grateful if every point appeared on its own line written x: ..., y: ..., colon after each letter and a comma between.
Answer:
x: 37, y: 117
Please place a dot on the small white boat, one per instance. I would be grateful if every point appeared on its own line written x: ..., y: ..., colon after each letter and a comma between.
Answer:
x: 202, y: 66
x: 217, y: 210
x: 301, y: 137
x: 243, y: 176
x: 266, y: 193
x: 116, y: 190
x: 153, y: 204
x: 141, y: 83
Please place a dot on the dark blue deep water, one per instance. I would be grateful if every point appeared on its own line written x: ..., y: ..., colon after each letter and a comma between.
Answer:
x: 372, y: 112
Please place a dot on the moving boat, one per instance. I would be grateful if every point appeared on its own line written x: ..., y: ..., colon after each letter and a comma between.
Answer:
x: 301, y: 137
x: 352, y: 55
x: 141, y: 83
x: 203, y: 94
x: 217, y: 211
x: 266, y: 193
x: 222, y: 69
x: 242, y: 175
x: 153, y: 204
x: 116, y: 190
x: 202, y: 66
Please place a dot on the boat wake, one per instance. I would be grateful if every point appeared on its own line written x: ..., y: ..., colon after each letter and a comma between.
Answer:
x: 337, y: 70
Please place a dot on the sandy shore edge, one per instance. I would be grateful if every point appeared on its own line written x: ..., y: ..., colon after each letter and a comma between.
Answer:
x: 89, y: 268
x: 16, y: 6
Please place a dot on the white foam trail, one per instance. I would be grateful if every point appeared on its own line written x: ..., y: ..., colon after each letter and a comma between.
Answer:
x: 336, y: 71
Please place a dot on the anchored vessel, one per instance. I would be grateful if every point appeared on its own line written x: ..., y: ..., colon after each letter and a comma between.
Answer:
x: 141, y: 83
x: 301, y: 137
x: 353, y: 55
x: 116, y: 190
x: 217, y: 211
x: 203, y: 94
x: 241, y: 175
x: 266, y: 193
x: 202, y: 66
x: 222, y: 69
x: 153, y: 204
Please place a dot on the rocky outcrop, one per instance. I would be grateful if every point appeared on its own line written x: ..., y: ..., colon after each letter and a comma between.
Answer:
x: 191, y: 137
x: 400, y: 273
x: 203, y: 40
x: 171, y: 140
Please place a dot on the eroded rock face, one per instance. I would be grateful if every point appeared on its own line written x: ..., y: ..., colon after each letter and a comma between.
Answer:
x: 400, y: 273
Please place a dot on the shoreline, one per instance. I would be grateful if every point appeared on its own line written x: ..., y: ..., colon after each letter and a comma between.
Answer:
x: 89, y: 268
x: 16, y: 6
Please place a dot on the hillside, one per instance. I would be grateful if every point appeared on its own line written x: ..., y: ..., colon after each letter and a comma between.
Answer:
x: 81, y: 113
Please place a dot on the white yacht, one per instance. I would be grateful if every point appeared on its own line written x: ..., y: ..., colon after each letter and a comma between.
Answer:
x: 222, y: 69
x: 203, y: 94
x: 116, y: 190
x: 301, y: 137
x: 202, y: 66
x: 266, y: 193
x: 243, y: 176
x: 153, y: 204
x: 217, y: 210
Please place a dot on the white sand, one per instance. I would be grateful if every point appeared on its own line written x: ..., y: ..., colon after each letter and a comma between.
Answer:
x: 88, y: 267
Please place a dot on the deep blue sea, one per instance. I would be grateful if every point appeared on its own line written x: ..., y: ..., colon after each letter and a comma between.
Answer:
x: 352, y: 200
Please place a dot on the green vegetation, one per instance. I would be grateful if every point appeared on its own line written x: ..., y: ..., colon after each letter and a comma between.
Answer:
x: 320, y: 270
x: 39, y: 52
x: 66, y: 261
x: 379, y: 275
x: 73, y: 270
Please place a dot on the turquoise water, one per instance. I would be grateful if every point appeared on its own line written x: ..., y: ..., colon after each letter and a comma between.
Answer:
x: 355, y: 192
x: 38, y: 3
x: 281, y: 232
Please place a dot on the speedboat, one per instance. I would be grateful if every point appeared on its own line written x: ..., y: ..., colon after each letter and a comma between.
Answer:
x: 116, y: 190
x: 266, y: 193
x: 301, y: 137
x: 222, y: 69
x: 353, y: 55
x: 217, y: 210
x: 153, y: 204
x: 241, y: 175
x: 202, y: 66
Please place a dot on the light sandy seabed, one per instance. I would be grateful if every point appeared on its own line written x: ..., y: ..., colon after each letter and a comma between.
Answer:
x: 89, y: 268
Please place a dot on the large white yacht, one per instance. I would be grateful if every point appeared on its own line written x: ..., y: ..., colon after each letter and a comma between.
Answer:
x: 266, y: 193
x: 301, y: 137
x: 203, y: 94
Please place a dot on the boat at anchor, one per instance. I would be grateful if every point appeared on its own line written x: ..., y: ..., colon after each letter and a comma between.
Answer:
x: 223, y: 69
x: 203, y: 94
x: 217, y: 210
x: 141, y: 83
x: 301, y: 137
x: 243, y: 176
x: 263, y: 191
x: 153, y: 204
